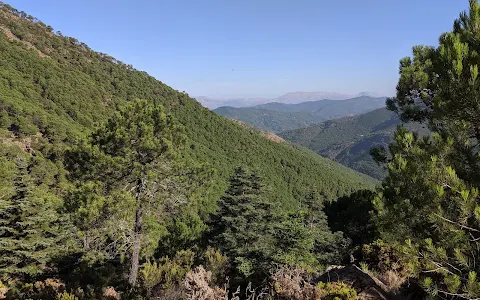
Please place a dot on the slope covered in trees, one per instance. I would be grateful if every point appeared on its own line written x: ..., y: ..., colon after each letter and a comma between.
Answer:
x: 264, y: 119
x: 278, y: 117
x: 349, y: 140
x: 58, y: 88
x: 111, y: 178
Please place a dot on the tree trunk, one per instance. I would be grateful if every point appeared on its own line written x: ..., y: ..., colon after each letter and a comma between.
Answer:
x: 86, y: 242
x: 137, y: 234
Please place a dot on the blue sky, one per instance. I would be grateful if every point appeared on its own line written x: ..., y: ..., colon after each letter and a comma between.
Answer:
x: 255, y: 48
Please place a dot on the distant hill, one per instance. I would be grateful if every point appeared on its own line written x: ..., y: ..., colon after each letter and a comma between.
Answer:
x: 270, y: 120
x: 278, y: 117
x: 212, y: 103
x: 289, y: 98
x: 348, y: 140
x: 298, y: 97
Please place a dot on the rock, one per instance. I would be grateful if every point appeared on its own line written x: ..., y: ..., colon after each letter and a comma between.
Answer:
x: 367, y: 287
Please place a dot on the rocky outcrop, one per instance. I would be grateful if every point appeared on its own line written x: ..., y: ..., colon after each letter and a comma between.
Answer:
x: 367, y: 287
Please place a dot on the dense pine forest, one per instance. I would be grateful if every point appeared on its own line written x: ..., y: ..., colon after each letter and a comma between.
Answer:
x: 116, y: 186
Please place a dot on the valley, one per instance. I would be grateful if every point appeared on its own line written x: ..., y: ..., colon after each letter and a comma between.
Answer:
x: 278, y: 117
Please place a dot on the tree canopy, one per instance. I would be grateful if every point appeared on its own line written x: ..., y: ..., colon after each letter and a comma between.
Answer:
x: 429, y: 201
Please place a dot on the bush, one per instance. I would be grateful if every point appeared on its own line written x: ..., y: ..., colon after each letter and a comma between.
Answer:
x: 3, y: 291
x: 42, y: 290
x: 66, y: 296
x: 217, y: 264
x: 290, y: 284
x: 166, y: 272
x: 381, y: 257
x: 198, y: 286
x: 336, y: 291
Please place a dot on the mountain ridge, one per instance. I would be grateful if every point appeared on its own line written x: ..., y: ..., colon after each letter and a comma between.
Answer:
x: 278, y: 117
x: 348, y: 140
x: 288, y: 98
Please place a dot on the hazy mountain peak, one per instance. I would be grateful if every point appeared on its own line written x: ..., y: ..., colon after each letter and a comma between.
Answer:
x: 212, y: 103
x: 288, y: 98
x: 370, y: 94
x: 298, y: 97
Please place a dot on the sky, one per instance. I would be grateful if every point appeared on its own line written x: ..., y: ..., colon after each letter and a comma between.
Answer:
x: 255, y: 48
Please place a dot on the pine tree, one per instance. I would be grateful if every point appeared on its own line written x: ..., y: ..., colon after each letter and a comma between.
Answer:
x: 430, y: 197
x: 136, y: 151
x: 424, y: 202
x: 294, y: 241
x: 242, y: 225
x: 30, y: 231
x: 353, y: 215
x: 328, y: 246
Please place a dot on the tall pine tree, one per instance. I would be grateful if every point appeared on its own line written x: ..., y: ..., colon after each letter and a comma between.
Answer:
x: 242, y: 226
x: 30, y: 227
x: 136, y: 152
x: 430, y: 197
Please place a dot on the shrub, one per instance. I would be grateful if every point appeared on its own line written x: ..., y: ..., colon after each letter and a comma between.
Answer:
x: 166, y: 272
x: 291, y: 284
x: 197, y: 284
x: 3, y: 291
x: 337, y: 291
x: 216, y: 263
x: 109, y: 293
x: 66, y: 296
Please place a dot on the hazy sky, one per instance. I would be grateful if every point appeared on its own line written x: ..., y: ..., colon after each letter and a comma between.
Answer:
x: 249, y: 48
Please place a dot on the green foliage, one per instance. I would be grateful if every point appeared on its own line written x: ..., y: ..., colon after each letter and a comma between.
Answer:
x: 353, y: 215
x: 328, y: 247
x: 258, y: 237
x: 381, y: 257
x: 337, y: 291
x: 134, y: 151
x: 279, y: 117
x: 348, y: 140
x: 242, y: 225
x: 98, y: 172
x: 66, y: 296
x: 5, y: 121
x: 31, y: 229
x: 293, y: 241
x: 216, y: 263
x: 429, y: 202
x: 166, y: 272
x: 101, y: 219
x: 417, y: 188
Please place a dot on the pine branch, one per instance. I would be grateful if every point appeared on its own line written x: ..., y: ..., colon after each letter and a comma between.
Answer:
x: 455, y: 223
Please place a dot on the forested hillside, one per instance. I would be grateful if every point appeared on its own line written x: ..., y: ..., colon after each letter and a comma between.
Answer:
x: 58, y: 88
x: 349, y: 140
x: 278, y: 117
x: 115, y: 186
x: 104, y: 167
x: 264, y: 119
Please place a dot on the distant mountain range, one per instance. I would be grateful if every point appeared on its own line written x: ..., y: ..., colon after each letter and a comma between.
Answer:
x: 348, y: 140
x: 281, y: 116
x: 289, y: 98
x: 211, y: 103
